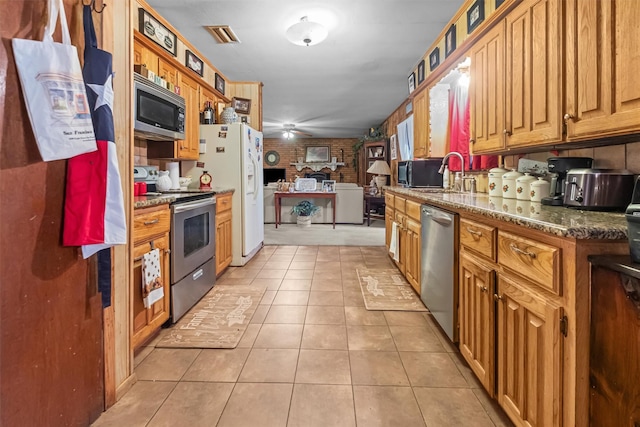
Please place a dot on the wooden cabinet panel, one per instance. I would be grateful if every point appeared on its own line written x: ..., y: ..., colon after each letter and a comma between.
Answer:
x: 401, y: 241
x: 476, y: 317
x: 389, y: 217
x: 533, y: 66
x: 188, y: 148
x: 478, y: 238
x: 486, y: 89
x: 603, y: 46
x: 224, y: 252
x: 167, y: 71
x: 529, y: 373
x: 389, y: 200
x: 150, y: 231
x: 531, y: 259
x: 413, y: 253
x: 421, y: 125
x: 413, y: 209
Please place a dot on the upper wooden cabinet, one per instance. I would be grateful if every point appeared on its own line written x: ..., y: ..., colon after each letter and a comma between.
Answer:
x: 603, y: 61
x: 486, y: 89
x: 421, y: 125
x: 533, y: 74
x: 189, y: 89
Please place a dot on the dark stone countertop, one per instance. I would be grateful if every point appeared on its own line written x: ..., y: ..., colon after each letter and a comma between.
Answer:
x: 141, y: 202
x: 556, y: 220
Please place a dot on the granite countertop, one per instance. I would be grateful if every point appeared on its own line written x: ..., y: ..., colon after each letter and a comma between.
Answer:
x: 557, y: 220
x: 140, y: 202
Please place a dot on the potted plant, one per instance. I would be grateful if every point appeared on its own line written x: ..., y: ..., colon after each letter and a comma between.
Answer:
x: 305, y: 210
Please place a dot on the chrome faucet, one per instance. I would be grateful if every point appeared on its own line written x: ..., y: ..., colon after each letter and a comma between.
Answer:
x: 445, y: 161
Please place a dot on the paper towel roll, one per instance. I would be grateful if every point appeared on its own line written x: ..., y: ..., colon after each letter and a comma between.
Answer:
x: 174, y: 174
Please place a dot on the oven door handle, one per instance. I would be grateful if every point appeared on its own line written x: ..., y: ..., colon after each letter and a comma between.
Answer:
x: 193, y: 205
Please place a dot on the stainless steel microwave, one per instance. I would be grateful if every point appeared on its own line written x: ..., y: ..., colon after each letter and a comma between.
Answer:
x: 420, y: 173
x: 159, y: 114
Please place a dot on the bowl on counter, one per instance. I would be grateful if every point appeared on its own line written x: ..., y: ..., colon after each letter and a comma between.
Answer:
x: 184, y: 182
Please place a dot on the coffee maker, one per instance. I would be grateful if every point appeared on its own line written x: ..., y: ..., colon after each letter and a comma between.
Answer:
x: 558, y: 168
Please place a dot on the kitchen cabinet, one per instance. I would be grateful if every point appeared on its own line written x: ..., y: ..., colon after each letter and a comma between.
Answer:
x: 150, y: 231
x: 486, y: 90
x: 208, y: 95
x: 603, y: 58
x: 615, y: 342
x: 406, y: 213
x: 167, y: 71
x: 188, y: 149
x: 533, y: 74
x: 224, y: 252
x: 145, y: 56
x: 421, y: 124
x: 529, y: 353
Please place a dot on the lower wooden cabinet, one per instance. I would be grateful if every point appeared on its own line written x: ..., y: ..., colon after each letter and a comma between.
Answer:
x: 477, y: 318
x: 529, y: 354
x: 150, y: 231
x: 406, y: 214
x: 224, y: 252
x: 412, y: 253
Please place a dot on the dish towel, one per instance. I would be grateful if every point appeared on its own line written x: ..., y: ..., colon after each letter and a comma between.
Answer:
x: 393, y: 243
x: 152, y: 289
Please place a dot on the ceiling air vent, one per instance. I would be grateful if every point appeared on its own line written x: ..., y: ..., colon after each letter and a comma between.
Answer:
x: 222, y: 33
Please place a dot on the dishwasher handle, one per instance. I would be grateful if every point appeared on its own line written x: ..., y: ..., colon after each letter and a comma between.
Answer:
x: 440, y: 219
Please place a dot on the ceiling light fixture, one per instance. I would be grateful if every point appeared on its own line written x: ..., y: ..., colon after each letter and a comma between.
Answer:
x: 306, y: 33
x: 287, y: 134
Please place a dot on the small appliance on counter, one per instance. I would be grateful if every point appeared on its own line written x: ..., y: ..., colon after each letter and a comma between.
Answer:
x: 598, y: 189
x: 420, y: 173
x: 633, y: 223
x: 148, y: 175
x: 558, y: 168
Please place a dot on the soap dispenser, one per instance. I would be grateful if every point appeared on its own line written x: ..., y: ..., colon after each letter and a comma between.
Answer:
x: 445, y: 177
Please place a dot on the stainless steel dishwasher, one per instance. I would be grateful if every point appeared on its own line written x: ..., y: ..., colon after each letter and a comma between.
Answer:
x: 438, y: 274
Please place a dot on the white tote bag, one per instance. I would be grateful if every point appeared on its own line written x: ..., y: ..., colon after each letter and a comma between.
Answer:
x: 54, y: 91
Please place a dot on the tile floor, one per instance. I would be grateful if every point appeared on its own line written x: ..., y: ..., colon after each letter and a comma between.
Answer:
x: 312, y: 356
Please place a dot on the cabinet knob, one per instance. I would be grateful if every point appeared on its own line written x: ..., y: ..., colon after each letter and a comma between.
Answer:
x: 484, y: 289
x: 497, y: 297
x: 567, y: 117
x: 472, y: 141
x: 506, y: 132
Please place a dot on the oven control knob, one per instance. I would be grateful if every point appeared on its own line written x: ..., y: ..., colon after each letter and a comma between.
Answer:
x: 579, y: 199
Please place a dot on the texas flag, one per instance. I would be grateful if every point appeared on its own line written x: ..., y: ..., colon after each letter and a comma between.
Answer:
x: 94, y: 216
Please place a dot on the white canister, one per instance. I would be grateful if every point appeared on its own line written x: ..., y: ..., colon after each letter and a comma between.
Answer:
x: 509, y: 184
x: 495, y: 181
x: 539, y: 189
x: 522, y: 186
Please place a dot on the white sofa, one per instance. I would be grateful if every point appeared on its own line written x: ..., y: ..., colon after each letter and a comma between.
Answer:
x: 349, y: 206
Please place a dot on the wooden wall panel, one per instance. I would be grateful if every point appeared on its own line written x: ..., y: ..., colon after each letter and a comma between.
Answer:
x: 50, y: 318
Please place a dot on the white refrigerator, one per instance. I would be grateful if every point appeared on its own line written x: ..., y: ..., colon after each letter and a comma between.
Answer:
x: 233, y: 158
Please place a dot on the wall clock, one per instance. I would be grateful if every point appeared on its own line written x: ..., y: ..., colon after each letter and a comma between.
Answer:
x: 272, y: 158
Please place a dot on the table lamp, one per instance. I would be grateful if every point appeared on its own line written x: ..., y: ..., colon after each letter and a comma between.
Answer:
x: 381, y: 169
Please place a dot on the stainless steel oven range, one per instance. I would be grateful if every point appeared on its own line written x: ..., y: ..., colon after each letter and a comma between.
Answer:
x: 193, y: 270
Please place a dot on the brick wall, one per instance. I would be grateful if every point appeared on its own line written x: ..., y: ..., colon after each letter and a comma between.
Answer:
x: 289, y: 150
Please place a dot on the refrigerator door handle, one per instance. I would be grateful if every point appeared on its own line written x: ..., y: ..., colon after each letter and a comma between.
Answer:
x: 255, y: 179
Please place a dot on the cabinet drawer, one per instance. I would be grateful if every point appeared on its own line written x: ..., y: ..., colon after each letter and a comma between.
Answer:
x: 478, y: 237
x: 536, y: 261
x: 400, y: 204
x: 148, y: 224
x: 223, y: 202
x: 412, y: 209
x: 389, y: 200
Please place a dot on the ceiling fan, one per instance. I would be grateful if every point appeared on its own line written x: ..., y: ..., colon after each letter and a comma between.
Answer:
x: 289, y: 131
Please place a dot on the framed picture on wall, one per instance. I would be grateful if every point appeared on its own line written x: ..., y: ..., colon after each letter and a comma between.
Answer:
x: 450, y: 41
x: 316, y: 154
x: 499, y: 3
x: 154, y: 30
x: 421, y: 72
x: 434, y: 59
x: 475, y: 15
x: 392, y: 147
x: 219, y: 83
x: 193, y: 62
x: 412, y: 82
x: 241, y: 105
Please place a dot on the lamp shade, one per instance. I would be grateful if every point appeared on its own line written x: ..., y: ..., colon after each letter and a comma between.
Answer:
x: 306, y: 33
x: 379, y: 167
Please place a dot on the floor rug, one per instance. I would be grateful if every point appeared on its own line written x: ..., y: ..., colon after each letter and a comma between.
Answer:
x: 387, y: 289
x: 218, y: 320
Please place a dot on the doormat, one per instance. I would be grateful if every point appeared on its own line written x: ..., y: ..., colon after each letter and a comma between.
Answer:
x: 218, y: 320
x: 387, y: 289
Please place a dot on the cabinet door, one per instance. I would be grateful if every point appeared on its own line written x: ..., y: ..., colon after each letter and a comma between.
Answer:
x: 389, y: 217
x: 223, y: 241
x: 188, y: 148
x: 533, y: 70
x: 476, y: 314
x: 147, y: 321
x: 529, y: 372
x: 603, y: 45
x: 486, y: 89
x: 413, y: 251
x: 144, y: 56
x: 421, y: 125
x: 167, y: 71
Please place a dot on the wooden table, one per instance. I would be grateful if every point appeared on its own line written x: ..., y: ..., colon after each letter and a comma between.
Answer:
x: 371, y: 202
x: 277, y: 195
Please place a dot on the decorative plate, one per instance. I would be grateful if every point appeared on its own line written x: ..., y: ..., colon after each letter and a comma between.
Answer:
x: 272, y: 158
